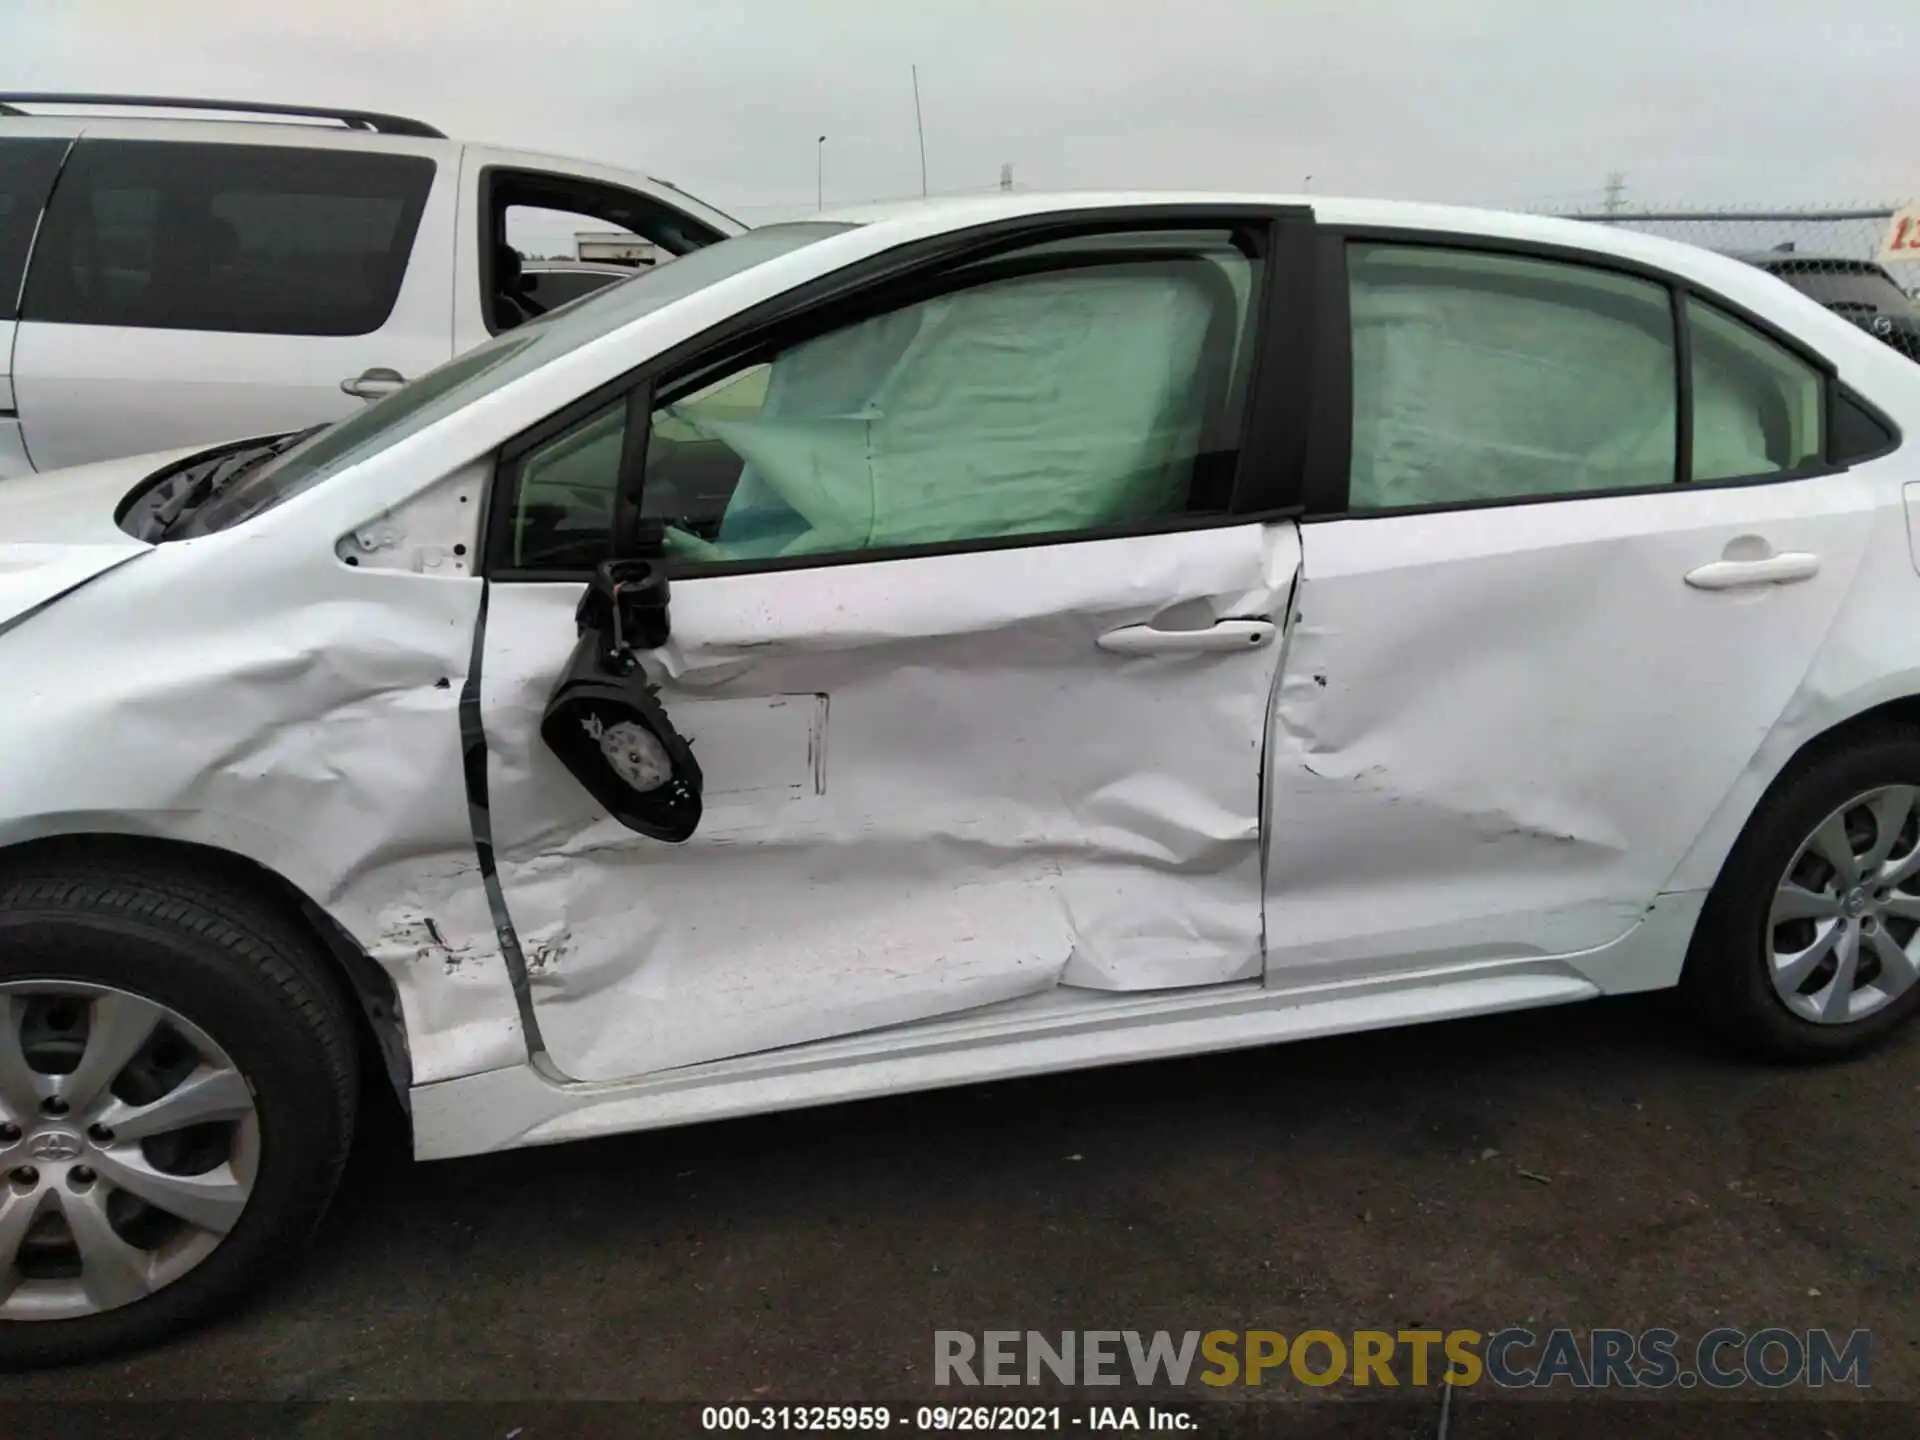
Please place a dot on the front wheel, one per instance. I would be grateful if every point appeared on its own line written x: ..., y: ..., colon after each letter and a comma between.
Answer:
x: 177, y: 1090
x: 1807, y: 947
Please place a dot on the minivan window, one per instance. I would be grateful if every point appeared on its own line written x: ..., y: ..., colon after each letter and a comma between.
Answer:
x: 27, y: 168
x: 500, y: 361
x: 251, y: 239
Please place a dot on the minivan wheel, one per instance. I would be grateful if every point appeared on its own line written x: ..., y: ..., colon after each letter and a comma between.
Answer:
x: 177, y: 1091
x: 1807, y: 948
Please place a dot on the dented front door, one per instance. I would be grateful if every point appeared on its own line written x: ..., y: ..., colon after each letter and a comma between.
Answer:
x: 932, y: 785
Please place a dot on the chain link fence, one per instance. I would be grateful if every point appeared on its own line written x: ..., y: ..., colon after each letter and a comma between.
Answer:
x: 1831, y: 254
x: 1850, y: 234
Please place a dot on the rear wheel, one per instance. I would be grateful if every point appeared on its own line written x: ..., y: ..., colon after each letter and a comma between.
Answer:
x: 1807, y: 947
x: 177, y: 1090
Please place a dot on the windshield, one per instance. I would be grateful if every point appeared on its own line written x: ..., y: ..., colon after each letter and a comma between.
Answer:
x: 500, y: 361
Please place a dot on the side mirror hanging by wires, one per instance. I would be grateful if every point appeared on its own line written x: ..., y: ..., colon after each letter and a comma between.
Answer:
x: 604, y: 720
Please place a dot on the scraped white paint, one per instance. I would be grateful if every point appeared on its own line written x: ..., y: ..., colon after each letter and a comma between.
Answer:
x: 249, y: 692
x: 992, y: 806
x: 509, y: 1108
x: 935, y: 804
x: 1499, y: 730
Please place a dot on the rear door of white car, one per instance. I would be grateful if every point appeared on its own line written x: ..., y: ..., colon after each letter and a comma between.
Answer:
x: 980, y: 576
x: 186, y: 288
x: 1552, y: 600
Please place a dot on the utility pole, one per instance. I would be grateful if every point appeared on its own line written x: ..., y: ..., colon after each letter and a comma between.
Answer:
x: 921, y: 129
x: 820, y: 174
x: 1616, y: 187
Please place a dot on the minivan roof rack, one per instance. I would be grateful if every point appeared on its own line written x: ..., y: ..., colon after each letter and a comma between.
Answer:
x: 353, y: 119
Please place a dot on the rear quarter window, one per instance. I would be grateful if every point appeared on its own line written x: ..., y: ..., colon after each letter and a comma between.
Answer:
x: 258, y: 239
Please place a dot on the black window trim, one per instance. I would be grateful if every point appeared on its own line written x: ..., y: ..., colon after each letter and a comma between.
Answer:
x: 1839, y: 393
x: 1329, y: 465
x: 492, y: 175
x: 1267, y: 480
x: 10, y: 310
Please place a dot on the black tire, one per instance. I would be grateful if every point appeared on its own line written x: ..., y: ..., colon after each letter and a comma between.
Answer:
x: 241, y: 968
x: 1726, y: 978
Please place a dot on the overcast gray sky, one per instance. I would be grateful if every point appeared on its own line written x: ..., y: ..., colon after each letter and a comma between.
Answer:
x: 1488, y: 101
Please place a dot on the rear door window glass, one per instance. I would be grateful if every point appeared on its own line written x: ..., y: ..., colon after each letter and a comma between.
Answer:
x: 1482, y: 377
x: 27, y: 168
x: 254, y: 239
x: 1757, y: 407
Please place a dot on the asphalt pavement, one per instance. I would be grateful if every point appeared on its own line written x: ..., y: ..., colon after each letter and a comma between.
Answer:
x: 1597, y: 1165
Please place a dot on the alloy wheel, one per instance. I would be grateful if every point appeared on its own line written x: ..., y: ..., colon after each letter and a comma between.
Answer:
x: 1843, y: 933
x: 129, y: 1143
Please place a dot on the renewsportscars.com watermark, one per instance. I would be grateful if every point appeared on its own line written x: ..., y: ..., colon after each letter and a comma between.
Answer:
x: 1723, y: 1359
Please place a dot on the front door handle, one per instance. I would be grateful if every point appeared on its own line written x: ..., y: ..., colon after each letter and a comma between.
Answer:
x: 1222, y: 635
x: 1781, y: 569
x: 374, y: 383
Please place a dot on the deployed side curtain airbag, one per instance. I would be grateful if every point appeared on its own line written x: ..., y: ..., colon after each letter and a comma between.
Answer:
x: 1055, y: 402
x: 1486, y: 391
x: 1727, y: 437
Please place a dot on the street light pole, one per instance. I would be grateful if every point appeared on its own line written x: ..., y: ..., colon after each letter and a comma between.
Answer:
x: 820, y: 174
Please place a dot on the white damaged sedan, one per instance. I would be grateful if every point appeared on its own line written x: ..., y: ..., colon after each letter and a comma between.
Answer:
x: 925, y: 645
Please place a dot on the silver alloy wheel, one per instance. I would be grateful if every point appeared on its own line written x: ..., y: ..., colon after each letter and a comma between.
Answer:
x: 129, y: 1143
x: 1844, y: 932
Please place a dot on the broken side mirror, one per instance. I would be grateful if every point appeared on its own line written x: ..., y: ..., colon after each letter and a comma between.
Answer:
x: 604, y: 720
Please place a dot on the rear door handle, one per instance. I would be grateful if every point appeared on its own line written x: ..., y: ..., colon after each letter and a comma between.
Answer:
x: 1782, y: 569
x: 374, y: 383
x: 1222, y: 635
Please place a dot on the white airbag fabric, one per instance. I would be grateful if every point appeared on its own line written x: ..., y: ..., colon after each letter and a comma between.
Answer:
x: 1059, y: 402
x: 1465, y: 393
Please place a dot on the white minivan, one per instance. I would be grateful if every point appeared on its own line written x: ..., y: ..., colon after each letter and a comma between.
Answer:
x: 177, y: 281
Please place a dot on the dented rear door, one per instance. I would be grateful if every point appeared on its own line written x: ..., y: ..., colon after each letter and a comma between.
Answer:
x: 1533, y: 651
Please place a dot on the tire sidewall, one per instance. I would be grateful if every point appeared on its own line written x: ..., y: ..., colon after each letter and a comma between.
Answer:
x: 283, y: 1064
x: 1728, y: 973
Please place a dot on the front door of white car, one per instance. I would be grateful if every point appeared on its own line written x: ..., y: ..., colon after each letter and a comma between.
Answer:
x: 975, y: 626
x: 1552, y: 603
x: 190, y: 292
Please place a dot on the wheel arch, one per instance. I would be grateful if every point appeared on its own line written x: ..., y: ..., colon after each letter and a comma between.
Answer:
x: 1784, y: 751
x: 369, y: 992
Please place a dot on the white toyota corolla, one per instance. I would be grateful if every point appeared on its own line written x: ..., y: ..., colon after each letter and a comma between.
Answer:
x: 925, y: 645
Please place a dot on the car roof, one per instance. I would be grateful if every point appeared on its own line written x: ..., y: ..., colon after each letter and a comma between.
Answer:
x: 959, y: 212
x: 371, y: 122
x: 288, y: 132
x: 1358, y: 213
